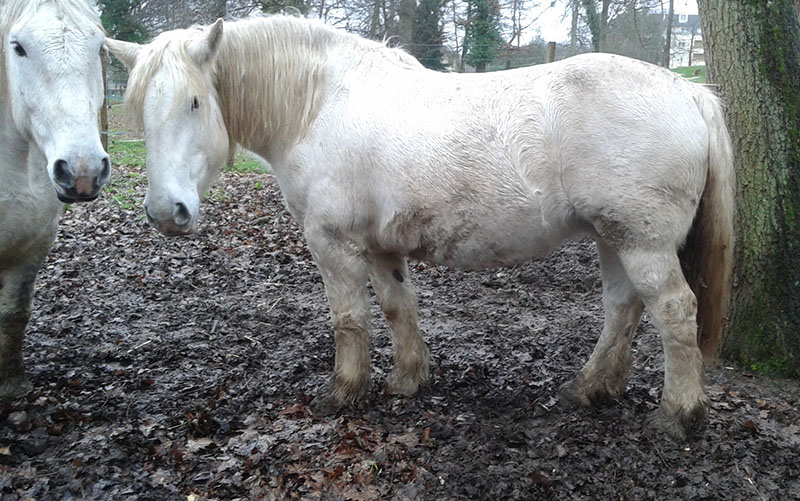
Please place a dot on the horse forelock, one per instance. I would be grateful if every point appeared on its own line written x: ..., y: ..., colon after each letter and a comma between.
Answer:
x: 73, y: 13
x: 168, y: 52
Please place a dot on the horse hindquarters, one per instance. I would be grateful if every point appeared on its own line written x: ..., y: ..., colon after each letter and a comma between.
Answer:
x: 658, y: 277
x: 604, y: 377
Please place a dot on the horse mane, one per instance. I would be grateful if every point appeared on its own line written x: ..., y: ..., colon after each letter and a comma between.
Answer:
x: 11, y: 11
x: 277, y: 62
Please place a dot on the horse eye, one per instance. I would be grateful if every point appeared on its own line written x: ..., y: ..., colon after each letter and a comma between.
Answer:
x: 195, y: 103
x: 20, y: 51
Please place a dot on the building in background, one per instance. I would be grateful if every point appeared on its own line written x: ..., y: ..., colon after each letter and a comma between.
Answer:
x: 687, y: 39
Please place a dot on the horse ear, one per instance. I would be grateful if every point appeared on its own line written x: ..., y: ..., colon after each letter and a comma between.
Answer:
x: 203, y: 50
x: 126, y: 52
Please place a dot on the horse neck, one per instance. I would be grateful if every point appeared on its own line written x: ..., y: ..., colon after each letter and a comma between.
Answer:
x: 271, y: 79
x: 21, y: 161
x: 17, y: 154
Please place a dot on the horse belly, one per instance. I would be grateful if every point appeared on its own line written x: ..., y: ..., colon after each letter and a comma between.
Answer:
x: 466, y: 238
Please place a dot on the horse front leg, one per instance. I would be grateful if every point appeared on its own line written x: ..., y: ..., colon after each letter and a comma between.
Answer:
x: 398, y: 301
x: 605, y: 375
x: 344, y: 273
x: 16, y: 295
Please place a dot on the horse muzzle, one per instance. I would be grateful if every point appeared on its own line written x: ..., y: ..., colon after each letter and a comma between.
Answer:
x: 80, y: 184
x: 179, y: 222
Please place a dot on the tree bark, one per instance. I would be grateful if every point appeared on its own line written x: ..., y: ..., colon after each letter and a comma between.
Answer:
x: 593, y: 20
x: 668, y: 44
x: 573, y: 32
x: 466, y: 36
x: 604, y: 24
x: 405, y: 21
x: 753, y: 56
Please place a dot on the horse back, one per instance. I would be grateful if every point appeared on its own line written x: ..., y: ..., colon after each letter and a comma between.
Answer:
x: 486, y: 170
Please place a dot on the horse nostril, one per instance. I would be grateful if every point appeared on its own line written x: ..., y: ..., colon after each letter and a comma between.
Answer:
x: 106, y: 170
x: 181, y: 215
x: 61, y: 172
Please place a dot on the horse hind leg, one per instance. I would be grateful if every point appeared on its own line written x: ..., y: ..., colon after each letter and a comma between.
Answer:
x: 344, y: 273
x: 604, y: 377
x: 16, y: 294
x: 672, y: 306
x: 390, y: 280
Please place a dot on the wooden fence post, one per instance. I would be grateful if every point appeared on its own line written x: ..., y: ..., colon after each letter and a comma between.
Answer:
x: 551, y: 52
x: 104, y: 107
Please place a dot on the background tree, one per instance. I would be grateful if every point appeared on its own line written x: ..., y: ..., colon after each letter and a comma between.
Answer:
x: 276, y: 6
x: 427, y: 34
x: 753, y: 56
x: 593, y: 21
x: 668, y: 43
x: 483, y: 35
x: 636, y: 32
x: 598, y: 21
x: 120, y: 22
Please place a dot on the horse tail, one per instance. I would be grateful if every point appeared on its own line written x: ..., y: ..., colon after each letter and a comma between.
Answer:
x: 707, y: 256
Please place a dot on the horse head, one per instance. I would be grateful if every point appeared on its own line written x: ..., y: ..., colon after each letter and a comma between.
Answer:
x: 171, y: 89
x: 55, y: 89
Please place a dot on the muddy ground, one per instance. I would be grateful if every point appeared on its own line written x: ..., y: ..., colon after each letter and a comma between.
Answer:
x: 183, y: 368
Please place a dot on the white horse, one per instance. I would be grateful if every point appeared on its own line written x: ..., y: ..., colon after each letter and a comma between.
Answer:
x: 50, y: 92
x: 381, y: 159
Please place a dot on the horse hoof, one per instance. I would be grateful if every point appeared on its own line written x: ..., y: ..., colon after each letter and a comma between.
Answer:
x: 326, y: 404
x: 333, y: 397
x: 681, y: 425
x: 571, y: 391
x: 580, y: 393
x: 15, y: 388
x: 401, y: 385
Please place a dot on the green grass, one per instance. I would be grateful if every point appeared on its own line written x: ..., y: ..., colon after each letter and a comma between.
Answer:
x: 127, y: 153
x: 132, y: 154
x: 128, y: 173
x: 693, y: 73
x: 245, y: 164
x: 122, y: 189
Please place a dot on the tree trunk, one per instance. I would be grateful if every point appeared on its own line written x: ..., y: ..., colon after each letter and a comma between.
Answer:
x: 405, y: 21
x: 375, y: 21
x: 593, y: 20
x: 573, y: 32
x: 604, y: 24
x: 753, y: 56
x: 668, y: 44
x: 466, y: 36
